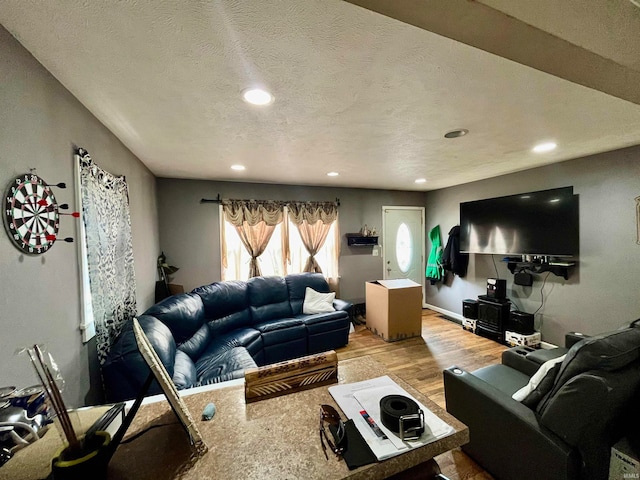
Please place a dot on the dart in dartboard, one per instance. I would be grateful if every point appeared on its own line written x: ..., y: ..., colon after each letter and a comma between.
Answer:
x: 32, y: 215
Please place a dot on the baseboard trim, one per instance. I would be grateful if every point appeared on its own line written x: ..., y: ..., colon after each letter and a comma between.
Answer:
x: 452, y: 315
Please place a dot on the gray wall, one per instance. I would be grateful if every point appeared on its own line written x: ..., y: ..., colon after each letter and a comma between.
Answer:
x: 602, y: 293
x: 190, y: 233
x: 40, y: 123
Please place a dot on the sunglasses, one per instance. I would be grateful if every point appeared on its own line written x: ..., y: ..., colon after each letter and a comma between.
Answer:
x: 329, y: 415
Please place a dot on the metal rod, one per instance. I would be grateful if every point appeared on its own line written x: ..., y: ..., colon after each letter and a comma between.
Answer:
x: 65, y: 421
x: 219, y: 200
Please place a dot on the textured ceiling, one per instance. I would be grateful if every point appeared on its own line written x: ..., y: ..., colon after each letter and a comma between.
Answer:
x: 356, y: 92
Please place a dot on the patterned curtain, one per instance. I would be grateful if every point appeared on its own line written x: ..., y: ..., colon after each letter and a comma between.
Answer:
x: 314, y: 220
x: 255, y: 222
x: 105, y: 213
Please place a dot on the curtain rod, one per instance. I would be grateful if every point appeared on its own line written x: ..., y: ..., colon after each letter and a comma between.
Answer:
x: 221, y: 200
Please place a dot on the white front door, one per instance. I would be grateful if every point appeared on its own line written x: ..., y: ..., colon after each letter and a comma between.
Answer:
x: 403, y: 243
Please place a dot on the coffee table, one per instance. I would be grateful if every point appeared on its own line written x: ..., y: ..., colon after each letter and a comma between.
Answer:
x: 276, y: 438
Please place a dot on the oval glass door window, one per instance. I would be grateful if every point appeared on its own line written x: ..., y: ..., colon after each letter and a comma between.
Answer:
x: 404, y: 248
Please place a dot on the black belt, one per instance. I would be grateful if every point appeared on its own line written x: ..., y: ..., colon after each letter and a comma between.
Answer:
x: 402, y: 416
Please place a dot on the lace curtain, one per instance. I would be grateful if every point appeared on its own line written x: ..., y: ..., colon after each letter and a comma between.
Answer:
x: 109, y: 251
x: 255, y: 222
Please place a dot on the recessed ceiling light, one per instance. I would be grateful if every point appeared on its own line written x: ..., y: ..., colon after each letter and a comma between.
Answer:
x: 332, y: 174
x: 257, y: 96
x: 239, y: 168
x: 544, y: 147
x: 420, y: 180
x: 461, y: 132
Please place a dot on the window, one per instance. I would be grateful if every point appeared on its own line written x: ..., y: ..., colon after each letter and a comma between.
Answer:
x: 327, y: 256
x: 272, y: 261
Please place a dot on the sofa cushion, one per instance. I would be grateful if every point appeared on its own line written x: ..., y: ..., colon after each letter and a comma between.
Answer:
x: 238, y: 338
x: 505, y: 379
x: 184, y: 371
x: 315, y: 302
x: 228, y: 364
x: 297, y: 284
x: 182, y: 313
x: 281, y: 331
x: 540, y: 382
x: 226, y: 302
x: 606, y: 352
x: 125, y: 371
x: 195, y: 345
x: 229, y: 323
x: 592, y: 410
x: 161, y: 339
x: 318, y: 318
x: 268, y: 299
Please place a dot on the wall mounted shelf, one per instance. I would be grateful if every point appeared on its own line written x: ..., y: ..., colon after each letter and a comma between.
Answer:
x: 358, y: 240
x: 561, y: 269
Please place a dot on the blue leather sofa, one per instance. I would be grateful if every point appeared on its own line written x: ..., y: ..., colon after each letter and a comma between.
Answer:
x: 213, y: 333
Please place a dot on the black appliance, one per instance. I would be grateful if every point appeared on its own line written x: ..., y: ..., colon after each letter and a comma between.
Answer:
x: 470, y: 309
x: 535, y: 223
x: 523, y: 278
x: 520, y: 322
x: 497, y: 288
x: 493, y: 315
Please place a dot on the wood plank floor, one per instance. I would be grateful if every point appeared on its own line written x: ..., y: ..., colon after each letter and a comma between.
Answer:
x: 419, y: 361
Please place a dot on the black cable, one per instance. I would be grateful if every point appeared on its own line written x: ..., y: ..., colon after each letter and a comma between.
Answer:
x: 139, y: 434
x: 494, y: 266
x: 542, y: 293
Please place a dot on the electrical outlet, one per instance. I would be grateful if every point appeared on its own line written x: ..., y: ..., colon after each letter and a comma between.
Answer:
x: 375, y: 252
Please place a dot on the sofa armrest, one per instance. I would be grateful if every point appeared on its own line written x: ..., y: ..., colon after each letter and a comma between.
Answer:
x: 342, y: 305
x: 506, y: 437
x: 571, y: 338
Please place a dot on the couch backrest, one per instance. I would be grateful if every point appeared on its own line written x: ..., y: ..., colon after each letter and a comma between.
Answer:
x: 183, y: 314
x: 297, y: 284
x: 268, y: 299
x: 592, y: 410
x: 226, y: 305
x: 125, y: 371
x: 606, y: 352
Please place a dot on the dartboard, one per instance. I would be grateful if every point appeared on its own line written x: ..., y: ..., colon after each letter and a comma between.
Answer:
x: 31, y: 214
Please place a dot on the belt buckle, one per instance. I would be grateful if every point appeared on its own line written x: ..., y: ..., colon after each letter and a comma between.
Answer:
x: 412, y: 433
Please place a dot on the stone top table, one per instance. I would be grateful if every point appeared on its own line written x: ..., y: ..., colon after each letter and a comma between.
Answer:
x: 276, y: 438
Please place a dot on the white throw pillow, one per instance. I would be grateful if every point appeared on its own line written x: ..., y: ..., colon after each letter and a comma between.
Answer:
x: 534, y: 381
x: 316, y: 302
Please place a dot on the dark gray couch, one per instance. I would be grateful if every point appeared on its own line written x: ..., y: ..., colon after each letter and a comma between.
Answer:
x: 215, y: 332
x: 566, y: 427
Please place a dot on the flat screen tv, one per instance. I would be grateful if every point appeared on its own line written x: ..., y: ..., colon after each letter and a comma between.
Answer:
x: 533, y: 223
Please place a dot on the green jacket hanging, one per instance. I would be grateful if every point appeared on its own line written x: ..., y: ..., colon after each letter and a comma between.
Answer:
x: 434, y: 271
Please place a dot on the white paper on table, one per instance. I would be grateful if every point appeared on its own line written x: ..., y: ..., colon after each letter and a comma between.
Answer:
x: 355, y: 397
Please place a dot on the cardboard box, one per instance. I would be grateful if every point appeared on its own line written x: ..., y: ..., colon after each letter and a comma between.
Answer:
x: 520, y: 340
x: 624, y: 461
x: 394, y: 309
x: 469, y: 324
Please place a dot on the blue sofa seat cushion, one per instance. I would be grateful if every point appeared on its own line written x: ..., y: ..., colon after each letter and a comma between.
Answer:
x: 228, y: 364
x: 243, y: 337
x: 268, y: 299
